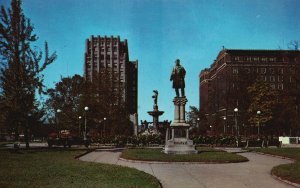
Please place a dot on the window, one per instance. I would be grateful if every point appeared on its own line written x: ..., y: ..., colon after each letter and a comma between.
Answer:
x: 280, y: 78
x: 292, y: 70
x: 263, y: 70
x: 280, y: 86
x: 263, y: 78
x: 272, y: 78
x: 235, y: 70
x: 247, y: 70
x: 272, y: 86
x: 280, y: 70
x: 271, y: 70
x: 264, y: 59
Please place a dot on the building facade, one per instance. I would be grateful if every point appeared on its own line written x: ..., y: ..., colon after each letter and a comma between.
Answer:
x: 223, y: 85
x: 111, y: 54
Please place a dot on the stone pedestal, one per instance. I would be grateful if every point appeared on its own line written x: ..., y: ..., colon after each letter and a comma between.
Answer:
x: 179, y: 142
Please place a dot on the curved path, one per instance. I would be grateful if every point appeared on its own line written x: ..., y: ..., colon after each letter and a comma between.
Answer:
x: 255, y: 173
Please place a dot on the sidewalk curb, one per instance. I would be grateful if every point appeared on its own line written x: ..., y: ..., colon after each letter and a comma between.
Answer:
x: 181, y: 163
x: 285, y: 181
x: 277, y: 177
x: 87, y: 152
x: 277, y: 156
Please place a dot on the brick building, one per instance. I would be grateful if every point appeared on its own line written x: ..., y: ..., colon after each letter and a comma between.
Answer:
x: 111, y: 54
x: 222, y: 86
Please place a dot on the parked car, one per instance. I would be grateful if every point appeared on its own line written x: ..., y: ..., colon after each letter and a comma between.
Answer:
x: 66, y: 139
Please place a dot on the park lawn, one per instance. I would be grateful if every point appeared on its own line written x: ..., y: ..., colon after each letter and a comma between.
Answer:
x: 289, y: 172
x: 58, y: 168
x: 206, y: 156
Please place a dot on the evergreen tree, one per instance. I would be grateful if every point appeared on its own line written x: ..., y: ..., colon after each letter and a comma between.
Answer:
x: 21, y: 68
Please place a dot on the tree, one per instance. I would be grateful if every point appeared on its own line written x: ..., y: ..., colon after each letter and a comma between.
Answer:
x: 294, y: 45
x: 197, y: 120
x: 66, y: 96
x: 71, y: 95
x: 263, y: 100
x: 21, y: 68
x: 104, y: 98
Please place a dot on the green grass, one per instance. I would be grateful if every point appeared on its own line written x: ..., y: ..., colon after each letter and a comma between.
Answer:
x: 58, y: 168
x: 207, y: 155
x: 289, y: 172
x: 3, y: 144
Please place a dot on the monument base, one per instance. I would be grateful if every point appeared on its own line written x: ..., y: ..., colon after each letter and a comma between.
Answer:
x: 179, y: 142
x: 180, y: 146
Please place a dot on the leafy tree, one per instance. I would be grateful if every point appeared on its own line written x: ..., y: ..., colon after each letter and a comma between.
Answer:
x: 66, y: 96
x: 286, y: 116
x: 294, y: 45
x: 197, y: 120
x: 104, y: 98
x: 263, y: 99
x: 72, y: 95
x: 21, y: 68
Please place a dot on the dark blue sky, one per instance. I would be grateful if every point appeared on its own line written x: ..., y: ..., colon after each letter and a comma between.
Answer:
x: 158, y: 32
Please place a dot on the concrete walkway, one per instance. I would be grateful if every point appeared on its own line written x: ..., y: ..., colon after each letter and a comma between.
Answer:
x: 255, y: 173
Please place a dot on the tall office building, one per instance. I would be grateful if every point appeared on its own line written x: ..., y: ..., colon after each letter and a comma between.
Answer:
x: 111, y: 54
x: 221, y: 85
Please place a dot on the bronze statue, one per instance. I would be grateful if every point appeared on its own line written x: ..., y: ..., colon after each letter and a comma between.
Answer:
x: 155, y: 97
x: 178, y: 74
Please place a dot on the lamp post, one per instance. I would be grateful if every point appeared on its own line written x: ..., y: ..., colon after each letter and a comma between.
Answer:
x: 104, y: 122
x: 235, y: 121
x: 224, y: 125
x: 57, y: 119
x: 236, y: 126
x: 210, y: 128
x: 79, y: 126
x: 85, y: 111
x: 258, y: 118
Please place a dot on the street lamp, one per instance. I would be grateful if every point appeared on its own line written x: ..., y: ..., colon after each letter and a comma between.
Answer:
x: 57, y: 119
x: 235, y: 121
x: 104, y: 119
x: 210, y: 128
x: 85, y: 111
x: 79, y: 126
x: 224, y: 125
x: 258, y: 114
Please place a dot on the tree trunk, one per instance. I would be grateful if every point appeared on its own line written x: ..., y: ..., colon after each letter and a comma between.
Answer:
x: 26, y: 137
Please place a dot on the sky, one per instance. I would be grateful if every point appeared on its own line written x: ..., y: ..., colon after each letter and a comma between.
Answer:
x: 159, y: 32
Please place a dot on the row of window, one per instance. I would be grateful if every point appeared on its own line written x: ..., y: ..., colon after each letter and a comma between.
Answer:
x: 251, y: 59
x: 272, y: 78
x: 263, y: 70
x: 122, y: 75
x: 107, y: 40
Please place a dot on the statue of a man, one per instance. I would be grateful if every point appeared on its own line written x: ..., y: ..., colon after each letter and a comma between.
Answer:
x: 177, y: 76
